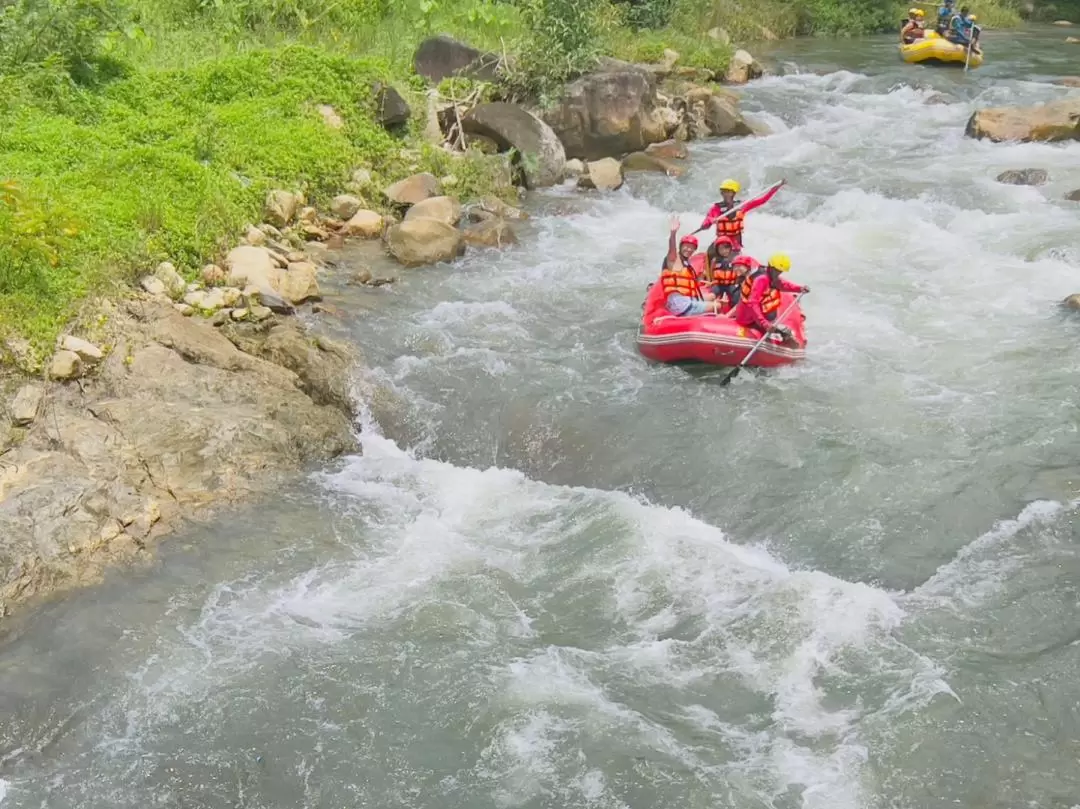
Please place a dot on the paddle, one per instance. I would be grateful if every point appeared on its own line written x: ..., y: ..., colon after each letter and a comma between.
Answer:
x: 740, y: 206
x: 735, y: 371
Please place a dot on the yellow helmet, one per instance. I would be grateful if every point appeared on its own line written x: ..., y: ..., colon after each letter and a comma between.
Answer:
x: 972, y: 17
x: 780, y: 262
x: 730, y: 185
x: 912, y: 12
x: 920, y: 13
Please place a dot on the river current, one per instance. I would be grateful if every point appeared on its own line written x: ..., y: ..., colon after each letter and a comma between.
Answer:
x: 559, y: 576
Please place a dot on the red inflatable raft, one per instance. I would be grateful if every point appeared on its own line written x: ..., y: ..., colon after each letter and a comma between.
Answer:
x: 715, y: 339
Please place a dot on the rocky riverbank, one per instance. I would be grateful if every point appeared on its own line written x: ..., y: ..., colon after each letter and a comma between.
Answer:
x: 184, y: 395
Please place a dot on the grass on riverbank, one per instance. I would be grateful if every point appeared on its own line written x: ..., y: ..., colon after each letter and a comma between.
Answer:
x: 133, y: 131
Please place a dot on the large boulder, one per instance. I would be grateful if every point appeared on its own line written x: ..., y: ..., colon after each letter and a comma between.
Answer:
x: 602, y: 175
x: 1056, y: 121
x: 413, y: 189
x: 1073, y: 196
x: 610, y: 112
x: 417, y: 242
x: 723, y: 119
x: 513, y: 127
x: 1024, y: 177
x: 443, y: 209
x: 742, y: 68
x: 1068, y: 81
x: 642, y: 161
x: 391, y: 110
x: 441, y: 57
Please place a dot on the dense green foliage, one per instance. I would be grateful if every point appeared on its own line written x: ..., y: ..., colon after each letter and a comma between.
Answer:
x: 137, y: 130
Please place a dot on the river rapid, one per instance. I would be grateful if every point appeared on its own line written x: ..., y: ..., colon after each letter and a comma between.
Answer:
x: 560, y: 576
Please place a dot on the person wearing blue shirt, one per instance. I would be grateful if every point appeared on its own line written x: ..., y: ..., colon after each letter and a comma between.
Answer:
x: 963, y: 30
x: 945, y: 15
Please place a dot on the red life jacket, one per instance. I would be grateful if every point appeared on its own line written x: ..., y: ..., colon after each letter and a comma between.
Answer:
x: 771, y: 300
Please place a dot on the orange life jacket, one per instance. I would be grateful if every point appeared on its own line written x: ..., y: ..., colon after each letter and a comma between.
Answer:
x: 770, y: 302
x: 682, y: 281
x: 723, y: 274
x: 731, y: 226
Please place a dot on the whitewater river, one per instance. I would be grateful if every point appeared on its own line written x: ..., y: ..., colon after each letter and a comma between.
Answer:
x: 562, y: 577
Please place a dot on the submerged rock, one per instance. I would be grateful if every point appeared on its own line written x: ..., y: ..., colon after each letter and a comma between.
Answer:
x: 491, y: 233
x: 1073, y: 196
x: 1024, y: 177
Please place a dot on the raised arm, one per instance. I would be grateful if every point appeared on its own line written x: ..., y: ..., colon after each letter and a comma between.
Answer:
x: 673, y: 243
x: 757, y: 202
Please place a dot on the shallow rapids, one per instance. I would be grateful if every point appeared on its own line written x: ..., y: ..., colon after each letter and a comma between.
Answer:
x: 562, y: 577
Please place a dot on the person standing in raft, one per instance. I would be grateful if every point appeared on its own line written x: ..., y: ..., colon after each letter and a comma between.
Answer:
x: 679, y: 281
x: 761, y: 296
x: 913, y: 26
x: 730, y: 223
x: 720, y: 270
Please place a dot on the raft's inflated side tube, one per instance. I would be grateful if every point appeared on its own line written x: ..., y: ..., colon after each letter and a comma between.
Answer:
x: 664, y: 337
x: 935, y: 49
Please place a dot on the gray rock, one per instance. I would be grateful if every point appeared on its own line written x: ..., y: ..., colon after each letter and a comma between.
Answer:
x: 175, y: 285
x: 513, y: 127
x: 153, y: 285
x: 442, y: 57
x: 391, y: 110
x: 65, y: 365
x: 1024, y: 177
x: 24, y: 408
x: 87, y: 351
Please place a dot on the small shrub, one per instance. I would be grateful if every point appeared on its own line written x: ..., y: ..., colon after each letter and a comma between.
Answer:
x: 70, y: 33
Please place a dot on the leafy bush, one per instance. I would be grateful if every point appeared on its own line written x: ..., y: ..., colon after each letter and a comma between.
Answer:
x: 563, y: 39
x: 286, y: 15
x: 640, y: 14
x: 71, y: 34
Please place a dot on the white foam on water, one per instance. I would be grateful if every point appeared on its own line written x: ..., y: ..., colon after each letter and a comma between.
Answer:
x: 3, y: 789
x: 983, y: 566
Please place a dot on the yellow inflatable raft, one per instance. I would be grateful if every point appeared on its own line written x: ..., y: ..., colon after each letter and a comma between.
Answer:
x: 936, y: 50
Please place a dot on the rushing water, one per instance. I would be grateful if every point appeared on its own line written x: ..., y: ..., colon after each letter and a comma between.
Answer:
x: 562, y: 577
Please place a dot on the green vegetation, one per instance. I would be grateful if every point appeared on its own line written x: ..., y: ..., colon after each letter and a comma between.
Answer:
x: 132, y: 131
